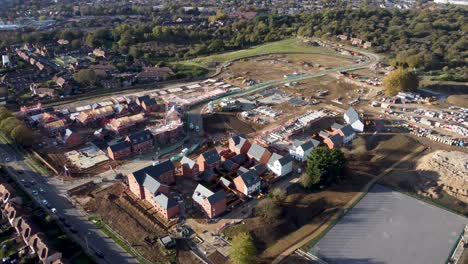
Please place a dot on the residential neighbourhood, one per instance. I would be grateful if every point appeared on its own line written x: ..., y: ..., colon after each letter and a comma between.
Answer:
x: 233, y: 132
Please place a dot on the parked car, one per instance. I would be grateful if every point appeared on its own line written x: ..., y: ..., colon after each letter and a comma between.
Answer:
x: 35, y: 193
x: 99, y: 254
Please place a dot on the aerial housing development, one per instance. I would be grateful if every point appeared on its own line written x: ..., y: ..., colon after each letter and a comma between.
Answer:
x: 233, y: 132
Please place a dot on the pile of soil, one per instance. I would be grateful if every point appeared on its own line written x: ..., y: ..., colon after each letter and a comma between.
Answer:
x: 448, y: 169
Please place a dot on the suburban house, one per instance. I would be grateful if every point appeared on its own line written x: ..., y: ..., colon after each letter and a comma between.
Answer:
x: 122, y: 124
x: 38, y: 244
x: 140, y: 141
x: 209, y: 160
x: 92, y: 115
x: 239, y: 144
x: 99, y: 53
x: 166, y: 206
x: 189, y: 167
x: 212, y: 203
x: 300, y: 150
x: 55, y: 127
x: 347, y: 132
x: 148, y: 182
x: 148, y: 104
x: 259, y: 153
x: 352, y: 118
x: 280, y: 165
x: 71, y: 139
x: 154, y: 74
x: 119, y: 150
x: 247, y: 182
x: 333, y: 141
x: 5, y: 192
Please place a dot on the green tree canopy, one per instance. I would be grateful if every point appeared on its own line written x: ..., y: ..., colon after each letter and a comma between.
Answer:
x: 5, y: 113
x: 85, y: 76
x: 8, y: 124
x: 22, y: 135
x: 324, y: 166
x: 243, y: 250
x: 400, y: 80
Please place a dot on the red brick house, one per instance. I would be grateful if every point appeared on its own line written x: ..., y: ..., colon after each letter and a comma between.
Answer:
x: 332, y: 141
x: 189, y: 167
x: 119, y: 150
x: 146, y: 183
x: 140, y: 141
x: 247, y: 182
x: 209, y: 160
x: 211, y: 203
x: 239, y: 144
x: 149, y: 104
x: 259, y: 154
x: 5, y: 192
x: 166, y: 206
x: 71, y: 139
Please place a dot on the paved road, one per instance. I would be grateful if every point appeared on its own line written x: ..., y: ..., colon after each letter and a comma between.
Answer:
x: 54, y: 191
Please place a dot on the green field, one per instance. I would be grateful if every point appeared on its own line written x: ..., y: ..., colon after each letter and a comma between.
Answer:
x: 284, y: 46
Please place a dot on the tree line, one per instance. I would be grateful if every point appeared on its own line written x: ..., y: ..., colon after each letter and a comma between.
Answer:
x: 15, y: 129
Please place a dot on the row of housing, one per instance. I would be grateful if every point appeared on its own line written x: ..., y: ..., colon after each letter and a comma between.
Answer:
x: 35, y: 240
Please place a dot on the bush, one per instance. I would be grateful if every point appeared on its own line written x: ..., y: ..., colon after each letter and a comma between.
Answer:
x: 268, y: 209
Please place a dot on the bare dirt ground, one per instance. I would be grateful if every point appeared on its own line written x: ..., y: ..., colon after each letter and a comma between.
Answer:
x: 115, y: 210
x: 274, y: 67
x: 225, y: 122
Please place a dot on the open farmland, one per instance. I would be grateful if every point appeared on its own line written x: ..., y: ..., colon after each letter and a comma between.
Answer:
x: 284, y: 46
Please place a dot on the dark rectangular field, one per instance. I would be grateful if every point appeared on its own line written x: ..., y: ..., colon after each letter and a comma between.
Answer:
x: 389, y: 227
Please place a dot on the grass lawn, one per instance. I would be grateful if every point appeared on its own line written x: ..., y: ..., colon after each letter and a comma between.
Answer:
x: 284, y: 46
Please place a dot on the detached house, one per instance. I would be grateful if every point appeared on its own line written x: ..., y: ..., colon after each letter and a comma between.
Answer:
x: 148, y: 104
x: 166, y: 206
x: 209, y: 160
x: 71, y: 139
x: 334, y: 141
x: 148, y: 182
x: 280, y: 165
x: 140, y: 141
x: 119, y: 150
x: 259, y: 154
x: 300, y: 150
x: 239, y: 144
x: 211, y: 203
x: 189, y: 167
x: 352, y: 118
x: 347, y: 132
x: 247, y: 182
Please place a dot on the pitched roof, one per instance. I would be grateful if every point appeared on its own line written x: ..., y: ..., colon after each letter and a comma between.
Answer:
x: 336, y: 126
x: 225, y: 181
x: 282, y: 159
x: 250, y: 178
x: 260, y: 168
x: 309, y: 144
x: 347, y: 130
x: 256, y: 151
x: 242, y: 170
x: 336, y: 139
x: 187, y: 161
x: 229, y: 165
x: 68, y: 133
x: 211, y: 156
x: 119, y: 146
x: 352, y: 115
x: 153, y: 171
x: 164, y: 201
x: 239, y: 158
x: 207, y: 175
x: 239, y: 141
x: 140, y: 136
x: 201, y: 193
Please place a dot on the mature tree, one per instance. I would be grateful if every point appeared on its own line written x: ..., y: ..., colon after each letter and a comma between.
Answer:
x: 278, y: 195
x: 5, y: 113
x: 324, y: 166
x: 400, y: 80
x: 85, y: 76
x: 22, y: 135
x: 268, y: 209
x: 7, y: 125
x: 243, y: 250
